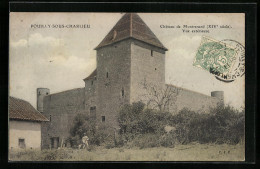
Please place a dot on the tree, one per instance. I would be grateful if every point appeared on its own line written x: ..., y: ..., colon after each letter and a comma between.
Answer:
x: 82, y: 123
x: 160, y: 98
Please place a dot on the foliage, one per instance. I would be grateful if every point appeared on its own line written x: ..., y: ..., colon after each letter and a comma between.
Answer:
x: 144, y: 128
x: 82, y: 123
x: 97, y: 136
x: 220, y: 125
x: 160, y: 98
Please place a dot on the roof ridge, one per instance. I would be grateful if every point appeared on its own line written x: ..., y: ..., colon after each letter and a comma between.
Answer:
x: 20, y: 99
x: 131, y: 25
x: 23, y: 110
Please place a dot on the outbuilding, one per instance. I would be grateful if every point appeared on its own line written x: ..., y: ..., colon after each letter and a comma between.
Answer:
x: 24, y: 125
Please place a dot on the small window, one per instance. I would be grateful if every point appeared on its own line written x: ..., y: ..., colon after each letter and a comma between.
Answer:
x: 155, y: 68
x: 47, y: 93
x: 103, y: 118
x: 21, y: 143
x: 50, y: 117
x: 123, y: 92
x: 93, y: 112
x: 92, y: 82
x: 107, y: 74
x: 151, y: 52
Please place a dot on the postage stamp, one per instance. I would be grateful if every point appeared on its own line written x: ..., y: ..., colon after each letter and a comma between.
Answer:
x: 224, y: 59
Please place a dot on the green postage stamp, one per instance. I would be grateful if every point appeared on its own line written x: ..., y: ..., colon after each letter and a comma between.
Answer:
x: 213, y: 55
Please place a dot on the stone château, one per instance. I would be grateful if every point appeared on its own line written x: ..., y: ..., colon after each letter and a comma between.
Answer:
x: 130, y: 62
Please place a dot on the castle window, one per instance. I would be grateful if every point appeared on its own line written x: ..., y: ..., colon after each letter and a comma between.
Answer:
x: 151, y: 52
x: 47, y: 93
x: 155, y: 69
x: 107, y: 74
x: 50, y: 118
x: 93, y: 112
x: 103, y: 118
x: 92, y: 82
x: 123, y: 92
x: 145, y: 84
x: 21, y: 143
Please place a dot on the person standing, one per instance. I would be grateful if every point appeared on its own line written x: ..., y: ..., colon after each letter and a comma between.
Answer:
x: 85, y: 141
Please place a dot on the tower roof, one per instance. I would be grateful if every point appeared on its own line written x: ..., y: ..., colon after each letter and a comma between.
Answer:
x: 131, y: 26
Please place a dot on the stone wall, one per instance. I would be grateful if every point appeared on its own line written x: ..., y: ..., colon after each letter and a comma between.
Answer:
x: 192, y: 100
x: 60, y: 109
x: 90, y: 94
x: 113, y: 80
x: 147, y: 69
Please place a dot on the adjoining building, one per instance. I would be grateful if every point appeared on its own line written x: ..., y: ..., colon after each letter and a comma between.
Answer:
x: 130, y: 60
x: 24, y: 125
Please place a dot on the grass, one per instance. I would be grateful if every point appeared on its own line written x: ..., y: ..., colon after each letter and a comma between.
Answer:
x: 190, y: 152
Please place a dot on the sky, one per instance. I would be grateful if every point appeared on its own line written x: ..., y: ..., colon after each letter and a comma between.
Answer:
x: 60, y: 58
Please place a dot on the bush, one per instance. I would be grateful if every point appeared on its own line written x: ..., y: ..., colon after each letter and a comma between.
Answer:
x: 168, y: 140
x: 146, y: 141
x: 221, y: 125
x: 80, y: 126
x: 142, y: 127
x: 103, y: 135
x: 145, y: 127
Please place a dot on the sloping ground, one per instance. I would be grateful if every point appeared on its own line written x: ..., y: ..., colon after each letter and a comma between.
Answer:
x: 190, y: 152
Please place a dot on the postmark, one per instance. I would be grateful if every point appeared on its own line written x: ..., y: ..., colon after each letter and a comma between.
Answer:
x: 224, y: 59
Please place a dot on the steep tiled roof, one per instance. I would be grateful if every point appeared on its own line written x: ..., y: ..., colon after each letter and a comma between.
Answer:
x: 131, y: 25
x: 23, y: 110
x: 92, y: 75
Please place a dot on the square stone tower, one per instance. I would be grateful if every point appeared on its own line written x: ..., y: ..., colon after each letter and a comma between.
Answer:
x: 128, y: 58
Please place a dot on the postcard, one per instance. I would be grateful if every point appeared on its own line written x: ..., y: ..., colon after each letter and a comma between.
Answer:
x: 126, y: 86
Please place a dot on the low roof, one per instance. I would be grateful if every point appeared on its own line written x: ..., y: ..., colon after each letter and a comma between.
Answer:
x: 92, y: 75
x: 22, y: 110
